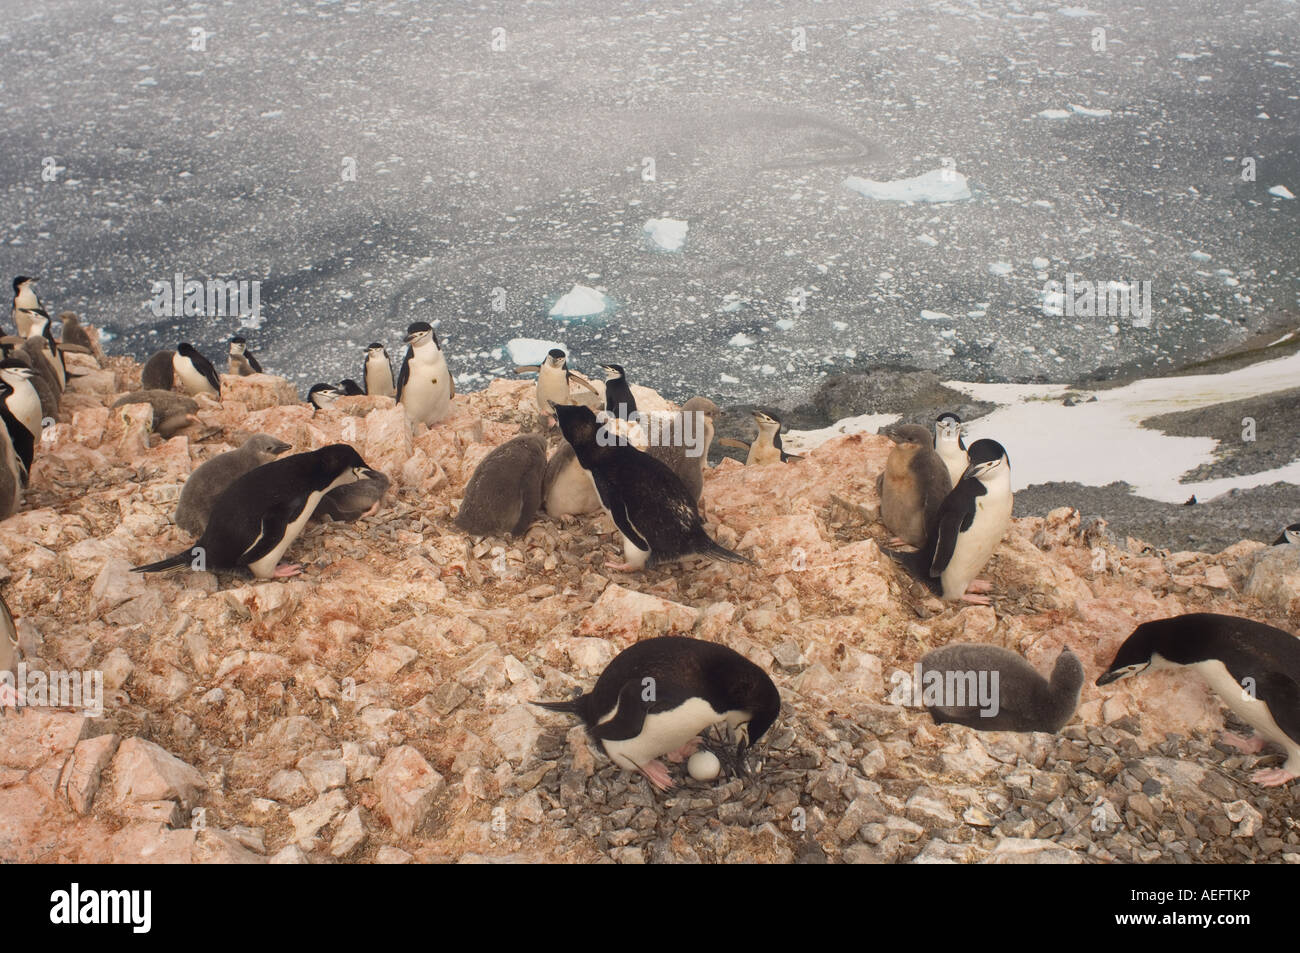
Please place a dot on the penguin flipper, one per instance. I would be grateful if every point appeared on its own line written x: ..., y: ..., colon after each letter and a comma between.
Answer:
x: 404, y: 375
x: 529, y: 369
x: 956, y: 514
x: 257, y: 368
x: 582, y: 381
x: 613, y: 501
x: 733, y: 443
x: 629, y: 717
x: 274, y: 522
x: 787, y: 457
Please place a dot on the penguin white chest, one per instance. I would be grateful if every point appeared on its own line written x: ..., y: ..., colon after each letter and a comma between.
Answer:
x: 762, y: 453
x: 552, y: 385
x: 572, y: 492
x: 25, y: 404
x: 427, y: 392
x: 379, y: 377
x: 1246, y: 706
x: 663, y: 732
x: 954, y: 459
x: 976, y: 545
x: 264, y: 568
x: 190, y: 378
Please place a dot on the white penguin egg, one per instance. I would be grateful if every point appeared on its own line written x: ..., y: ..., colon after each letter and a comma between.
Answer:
x: 704, y: 766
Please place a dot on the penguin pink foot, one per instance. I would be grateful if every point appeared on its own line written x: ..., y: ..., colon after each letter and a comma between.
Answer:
x: 372, y: 511
x: 657, y: 775
x: 621, y: 567
x: 685, y: 751
x: 284, y: 570
x: 976, y: 600
x: 1252, y: 745
x: 1272, y: 777
x: 979, y: 585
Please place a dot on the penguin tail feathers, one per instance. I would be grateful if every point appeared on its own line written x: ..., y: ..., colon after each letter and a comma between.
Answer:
x: 717, y: 551
x: 916, y: 565
x: 570, y: 707
x: 171, y: 562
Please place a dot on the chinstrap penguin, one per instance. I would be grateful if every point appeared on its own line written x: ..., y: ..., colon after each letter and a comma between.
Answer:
x: 505, y: 490
x: 950, y: 445
x: 424, y: 385
x: 350, y: 388
x: 653, y: 510
x: 242, y: 361
x: 25, y: 401
x: 912, y: 486
x: 258, y: 517
x: 26, y: 305
x: 767, y: 447
x: 1254, y: 668
x: 377, y: 372
x: 195, y: 372
x: 1290, y: 534
x: 323, y: 395
x: 553, y: 380
x: 655, y: 697
x: 22, y: 440
x: 1022, y: 700
x: 618, y: 392
x: 13, y: 473
x: 210, y: 479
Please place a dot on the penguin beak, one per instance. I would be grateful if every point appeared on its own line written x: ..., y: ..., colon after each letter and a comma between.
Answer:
x: 369, y: 474
x: 1105, y: 678
x: 279, y: 448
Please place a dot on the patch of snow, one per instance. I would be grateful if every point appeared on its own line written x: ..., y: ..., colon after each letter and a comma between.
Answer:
x: 937, y: 185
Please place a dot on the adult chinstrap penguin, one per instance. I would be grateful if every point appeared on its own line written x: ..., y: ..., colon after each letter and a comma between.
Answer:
x: 424, y: 386
x: 26, y: 305
x: 242, y: 361
x: 655, y: 697
x: 912, y: 486
x: 950, y: 445
x: 1254, y: 668
x: 553, y: 380
x: 767, y: 446
x: 25, y: 401
x: 377, y: 372
x: 323, y: 395
x: 258, y: 517
x: 655, y: 513
x: 195, y: 372
x: 505, y: 491
x: 991, y: 688
x: 618, y: 392
x: 973, y: 518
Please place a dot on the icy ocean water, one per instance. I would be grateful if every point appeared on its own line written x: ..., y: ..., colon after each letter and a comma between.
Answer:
x: 376, y: 163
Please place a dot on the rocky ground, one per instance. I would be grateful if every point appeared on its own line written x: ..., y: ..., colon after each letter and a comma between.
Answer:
x: 375, y: 709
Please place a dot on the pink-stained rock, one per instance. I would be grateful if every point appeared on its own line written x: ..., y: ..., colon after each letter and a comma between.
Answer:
x: 1275, y: 580
x: 30, y: 737
x: 624, y: 614
x: 81, y: 775
x: 408, y: 787
x: 142, y: 771
x: 257, y: 391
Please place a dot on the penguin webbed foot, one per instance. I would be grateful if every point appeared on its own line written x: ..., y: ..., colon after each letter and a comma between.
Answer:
x: 620, y: 567
x: 1252, y: 745
x: 285, y: 570
x: 657, y: 775
x: 1272, y: 777
x: 979, y: 585
x: 976, y: 600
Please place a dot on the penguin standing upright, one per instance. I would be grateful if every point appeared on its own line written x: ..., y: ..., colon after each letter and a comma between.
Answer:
x: 618, y: 392
x: 553, y: 380
x: 656, y: 696
x: 12, y: 471
x: 76, y: 337
x: 1018, y: 698
x: 25, y: 401
x: 26, y: 306
x: 242, y: 361
x: 950, y: 446
x: 195, y: 372
x: 972, y: 520
x: 656, y: 514
x: 1253, y: 667
x: 766, y: 447
x: 1290, y: 534
x: 912, y: 486
x: 258, y: 517
x: 21, y: 440
x: 424, y: 385
x: 377, y: 372
x: 42, y: 338
x: 158, y: 373
x: 505, y: 490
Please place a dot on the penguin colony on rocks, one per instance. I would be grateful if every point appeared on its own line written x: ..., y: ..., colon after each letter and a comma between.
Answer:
x: 947, y: 507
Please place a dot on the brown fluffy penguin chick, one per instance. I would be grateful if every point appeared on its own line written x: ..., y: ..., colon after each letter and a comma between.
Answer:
x: 76, y: 338
x: 567, y: 489
x: 172, y: 412
x: 158, y: 373
x: 914, y: 482
x: 989, y: 688
x: 350, y: 502
x: 505, y: 491
x: 210, y: 479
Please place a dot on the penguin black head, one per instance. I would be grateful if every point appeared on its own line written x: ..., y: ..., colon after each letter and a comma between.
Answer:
x: 1290, y: 534
x: 756, y: 692
x: 185, y: 349
x: 613, y: 371
x: 322, y: 395
x: 419, y: 332
x: 766, y: 421
x: 947, y: 426
x: 578, y: 424
x: 1134, y: 656
x: 350, y: 388
x: 375, y: 347
x: 22, y: 280
x: 237, y: 345
x: 948, y: 417
x: 556, y: 355
x: 339, y: 458
x: 987, y: 458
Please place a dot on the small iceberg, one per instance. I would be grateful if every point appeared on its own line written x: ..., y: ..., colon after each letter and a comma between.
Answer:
x: 938, y: 185
x: 1054, y: 114
x: 1094, y: 113
x: 580, y: 302
x: 1281, y: 191
x: 740, y: 340
x: 668, y: 234
x: 525, y: 352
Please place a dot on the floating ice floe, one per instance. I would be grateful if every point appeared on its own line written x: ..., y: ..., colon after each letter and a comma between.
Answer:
x: 935, y: 316
x: 529, y: 351
x: 1054, y: 114
x: 668, y: 234
x: 728, y: 379
x: 927, y: 240
x: 580, y: 302
x: 1199, y: 256
x: 938, y: 185
x: 785, y: 324
x: 1077, y: 12
x: 1281, y: 191
x: 740, y: 340
x: 1000, y: 267
x: 1085, y: 111
x: 732, y: 302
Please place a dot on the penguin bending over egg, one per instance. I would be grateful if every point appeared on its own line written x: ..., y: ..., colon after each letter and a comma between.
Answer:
x: 1254, y: 668
x: 258, y: 517
x: 1290, y: 534
x: 657, y: 516
x: 424, y: 385
x: 195, y: 372
x: 377, y: 372
x: 973, y: 518
x: 1020, y: 699
x: 505, y: 490
x: 553, y: 379
x: 158, y: 373
x: 210, y: 479
x: 950, y: 446
x: 656, y: 696
x: 242, y: 361
x: 912, y: 486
